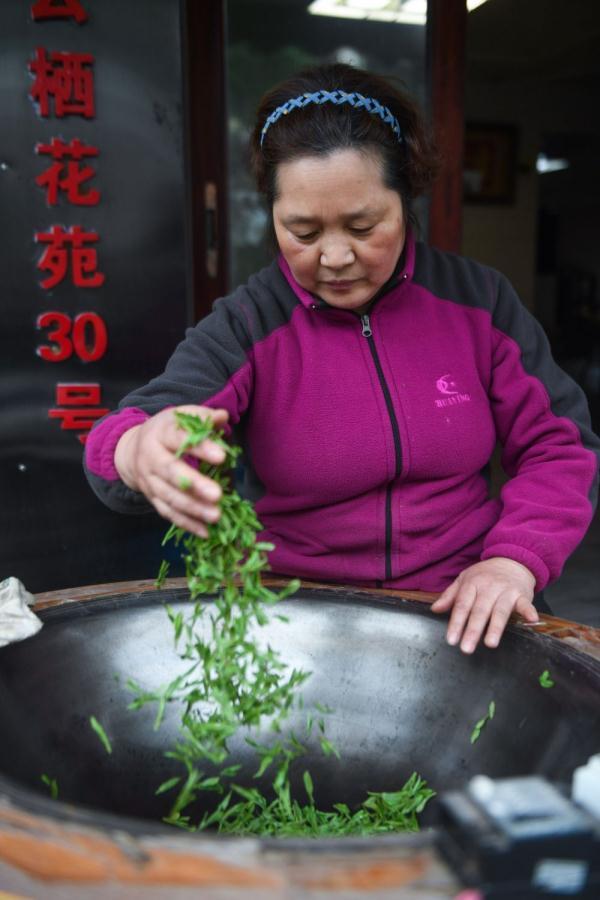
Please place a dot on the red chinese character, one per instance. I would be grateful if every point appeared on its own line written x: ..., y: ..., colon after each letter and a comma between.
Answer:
x: 75, y: 394
x: 68, y: 176
x: 65, y: 78
x: 58, y: 9
x: 82, y: 396
x: 55, y: 258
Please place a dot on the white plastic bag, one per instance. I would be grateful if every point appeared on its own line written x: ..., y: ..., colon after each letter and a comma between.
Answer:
x: 17, y: 622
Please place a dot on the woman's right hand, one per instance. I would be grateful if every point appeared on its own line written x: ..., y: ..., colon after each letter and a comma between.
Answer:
x: 145, y: 460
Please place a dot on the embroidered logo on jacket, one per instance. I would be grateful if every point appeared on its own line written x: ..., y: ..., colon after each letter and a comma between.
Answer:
x: 452, y: 396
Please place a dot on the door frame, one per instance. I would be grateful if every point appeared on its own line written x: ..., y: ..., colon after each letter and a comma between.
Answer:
x: 446, y: 64
x: 205, y: 98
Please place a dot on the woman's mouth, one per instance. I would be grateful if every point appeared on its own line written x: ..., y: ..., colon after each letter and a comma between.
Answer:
x: 341, y: 285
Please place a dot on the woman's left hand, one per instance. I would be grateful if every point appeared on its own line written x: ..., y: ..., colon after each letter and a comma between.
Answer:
x: 484, y: 596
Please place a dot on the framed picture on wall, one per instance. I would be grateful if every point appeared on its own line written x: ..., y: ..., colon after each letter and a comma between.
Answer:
x: 490, y: 163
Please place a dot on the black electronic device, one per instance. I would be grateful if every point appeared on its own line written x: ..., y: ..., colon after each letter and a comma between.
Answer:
x: 520, y: 837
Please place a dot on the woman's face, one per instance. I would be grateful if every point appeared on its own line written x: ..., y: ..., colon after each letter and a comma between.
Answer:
x: 340, y: 229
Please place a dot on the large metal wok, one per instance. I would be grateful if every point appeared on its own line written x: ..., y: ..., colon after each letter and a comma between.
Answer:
x: 402, y: 699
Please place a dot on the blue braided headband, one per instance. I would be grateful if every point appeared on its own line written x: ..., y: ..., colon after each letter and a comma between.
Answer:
x: 338, y: 97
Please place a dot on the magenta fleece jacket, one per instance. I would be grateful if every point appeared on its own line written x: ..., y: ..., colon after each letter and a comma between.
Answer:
x: 367, y: 439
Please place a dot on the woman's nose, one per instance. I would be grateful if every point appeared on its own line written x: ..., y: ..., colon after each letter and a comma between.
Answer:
x: 337, y: 255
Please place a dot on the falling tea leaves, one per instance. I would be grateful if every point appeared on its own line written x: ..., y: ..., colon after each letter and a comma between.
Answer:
x: 101, y: 733
x: 51, y: 784
x: 480, y: 725
x: 232, y: 682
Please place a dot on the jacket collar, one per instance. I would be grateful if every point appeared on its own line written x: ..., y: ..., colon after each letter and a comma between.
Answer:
x: 403, y: 272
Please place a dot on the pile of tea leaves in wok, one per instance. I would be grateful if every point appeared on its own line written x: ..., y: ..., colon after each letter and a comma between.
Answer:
x: 231, y: 682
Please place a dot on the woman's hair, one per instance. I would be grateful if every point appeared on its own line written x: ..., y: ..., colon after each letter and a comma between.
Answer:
x: 318, y: 129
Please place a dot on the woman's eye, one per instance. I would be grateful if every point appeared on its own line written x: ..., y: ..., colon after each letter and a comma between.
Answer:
x: 362, y: 230
x: 307, y: 237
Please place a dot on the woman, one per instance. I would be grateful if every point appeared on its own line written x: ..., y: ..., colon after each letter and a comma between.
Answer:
x: 369, y: 378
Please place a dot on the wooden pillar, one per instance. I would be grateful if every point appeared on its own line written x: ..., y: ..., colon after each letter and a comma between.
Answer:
x: 206, y: 146
x: 446, y: 45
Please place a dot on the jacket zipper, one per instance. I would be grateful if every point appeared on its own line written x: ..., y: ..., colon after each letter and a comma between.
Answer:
x: 368, y: 334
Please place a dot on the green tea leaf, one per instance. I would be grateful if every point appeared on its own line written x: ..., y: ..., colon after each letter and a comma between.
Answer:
x: 162, y: 574
x: 328, y: 748
x: 184, y: 483
x: 101, y: 733
x: 308, y: 787
x: 475, y: 733
x: 167, y: 785
x: 52, y: 784
x: 480, y: 725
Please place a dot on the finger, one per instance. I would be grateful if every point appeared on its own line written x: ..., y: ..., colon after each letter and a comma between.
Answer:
x: 477, y: 621
x: 165, y: 471
x: 180, y: 519
x: 182, y: 502
x: 501, y: 613
x: 175, y: 434
x: 527, y: 610
x: 219, y: 416
x: 461, y: 610
x: 446, y: 599
x: 178, y: 500
x: 208, y: 451
x: 196, y: 485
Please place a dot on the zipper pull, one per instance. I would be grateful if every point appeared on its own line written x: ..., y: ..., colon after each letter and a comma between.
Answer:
x: 366, y: 326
